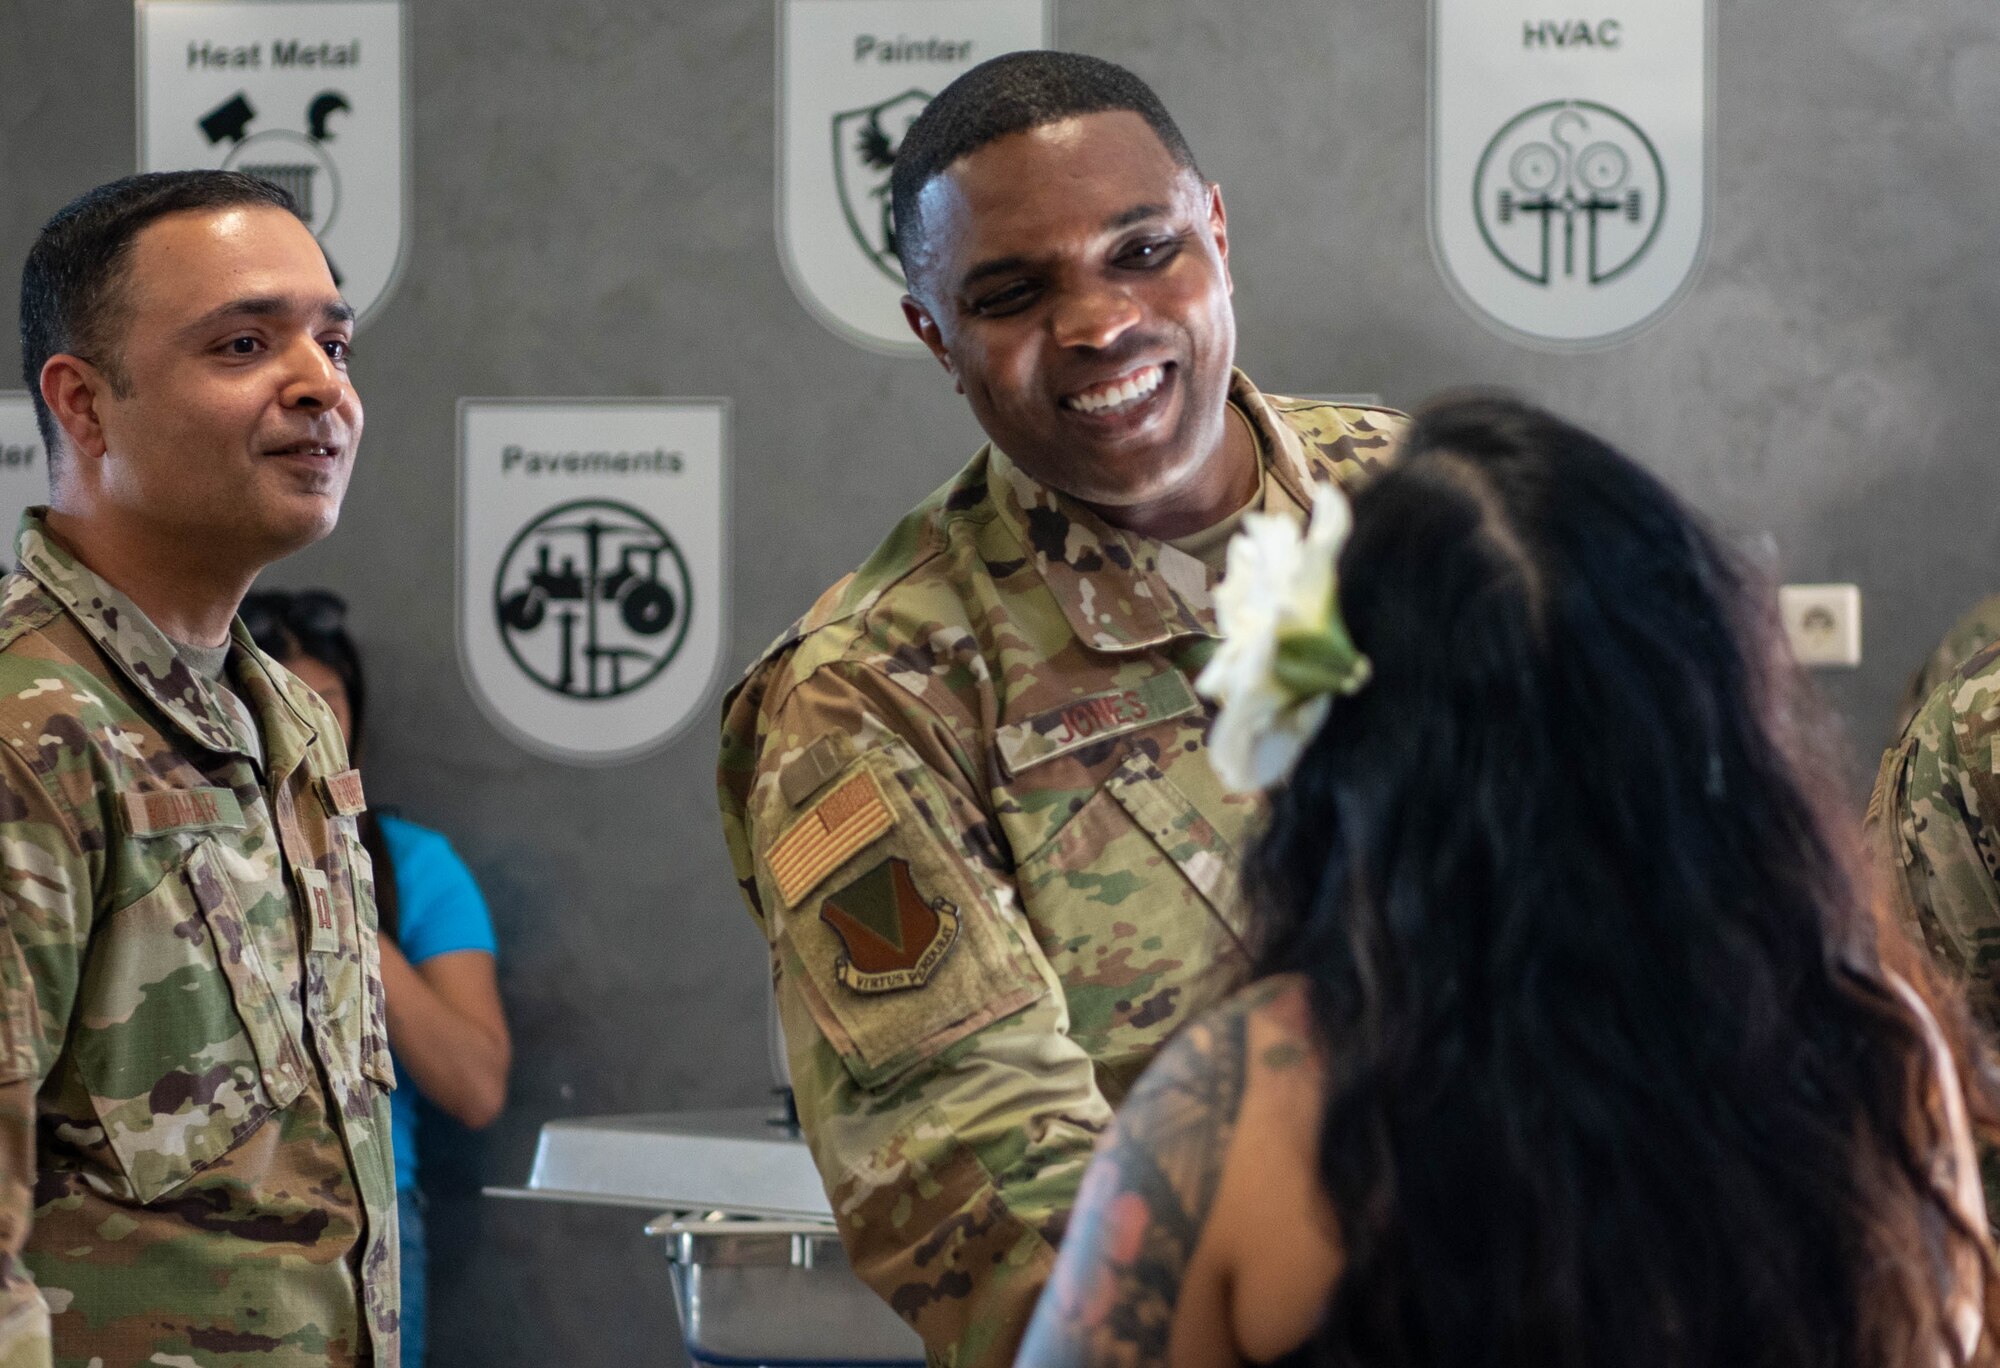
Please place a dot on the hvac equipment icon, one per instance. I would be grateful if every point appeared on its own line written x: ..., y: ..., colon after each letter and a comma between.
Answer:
x: 592, y: 599
x: 1570, y: 192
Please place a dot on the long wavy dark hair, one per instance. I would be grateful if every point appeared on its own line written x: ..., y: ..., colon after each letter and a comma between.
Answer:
x: 1616, y: 1074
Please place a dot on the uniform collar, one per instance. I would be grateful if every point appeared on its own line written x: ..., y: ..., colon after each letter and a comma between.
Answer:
x: 145, y: 654
x: 1108, y: 581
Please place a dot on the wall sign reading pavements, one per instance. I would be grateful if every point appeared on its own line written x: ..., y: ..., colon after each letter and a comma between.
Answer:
x: 591, y: 569
x: 307, y: 94
x: 24, y: 467
x: 852, y: 76
x: 1570, y: 162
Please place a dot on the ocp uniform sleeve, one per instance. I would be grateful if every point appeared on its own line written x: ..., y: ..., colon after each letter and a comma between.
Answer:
x: 1932, y: 817
x: 45, y: 915
x: 949, y: 1112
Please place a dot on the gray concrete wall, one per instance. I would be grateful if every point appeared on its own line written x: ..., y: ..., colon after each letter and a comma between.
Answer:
x: 593, y: 217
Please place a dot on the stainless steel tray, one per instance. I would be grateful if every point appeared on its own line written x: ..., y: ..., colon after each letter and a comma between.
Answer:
x: 760, y: 1282
x: 777, y: 1294
x: 732, y: 1161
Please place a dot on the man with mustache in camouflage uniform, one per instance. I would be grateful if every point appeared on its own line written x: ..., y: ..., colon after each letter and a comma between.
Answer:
x: 968, y: 796
x: 194, y: 1070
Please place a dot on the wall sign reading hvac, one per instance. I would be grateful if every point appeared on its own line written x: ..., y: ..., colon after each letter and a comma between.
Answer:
x: 307, y: 94
x: 24, y: 467
x: 1570, y: 162
x: 852, y: 76
x: 591, y: 598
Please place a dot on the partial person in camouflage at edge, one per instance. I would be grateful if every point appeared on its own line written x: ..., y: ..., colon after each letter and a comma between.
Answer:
x: 968, y: 795
x: 195, y: 1158
x: 1935, y: 814
x: 1980, y: 625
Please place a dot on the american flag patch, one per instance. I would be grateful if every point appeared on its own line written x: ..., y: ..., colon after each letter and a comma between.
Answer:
x: 830, y: 832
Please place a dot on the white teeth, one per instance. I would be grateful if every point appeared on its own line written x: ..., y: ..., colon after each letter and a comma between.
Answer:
x: 1129, y: 391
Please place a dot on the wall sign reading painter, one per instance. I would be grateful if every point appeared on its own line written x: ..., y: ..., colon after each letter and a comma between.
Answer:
x: 24, y: 467
x: 307, y: 94
x: 1570, y: 162
x: 852, y: 76
x: 590, y: 589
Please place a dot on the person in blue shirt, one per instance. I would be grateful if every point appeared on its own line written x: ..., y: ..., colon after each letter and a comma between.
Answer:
x: 446, y: 1029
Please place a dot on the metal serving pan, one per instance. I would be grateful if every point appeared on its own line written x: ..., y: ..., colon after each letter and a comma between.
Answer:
x: 779, y: 1294
x: 760, y: 1280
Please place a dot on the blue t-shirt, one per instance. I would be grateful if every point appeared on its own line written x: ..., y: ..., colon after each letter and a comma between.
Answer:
x: 439, y: 910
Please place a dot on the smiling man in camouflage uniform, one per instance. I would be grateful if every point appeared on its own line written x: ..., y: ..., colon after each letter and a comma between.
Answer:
x: 194, y: 1122
x: 968, y: 796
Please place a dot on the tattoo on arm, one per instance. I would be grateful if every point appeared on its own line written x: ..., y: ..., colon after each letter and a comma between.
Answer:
x: 1144, y: 1203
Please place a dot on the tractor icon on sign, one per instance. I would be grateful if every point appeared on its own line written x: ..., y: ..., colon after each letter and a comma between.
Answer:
x: 592, y: 599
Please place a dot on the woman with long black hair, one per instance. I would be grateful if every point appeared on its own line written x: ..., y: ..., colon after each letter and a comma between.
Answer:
x: 1574, y: 1042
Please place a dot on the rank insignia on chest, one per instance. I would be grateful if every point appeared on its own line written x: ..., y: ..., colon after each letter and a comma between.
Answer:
x: 323, y: 931
x: 895, y: 937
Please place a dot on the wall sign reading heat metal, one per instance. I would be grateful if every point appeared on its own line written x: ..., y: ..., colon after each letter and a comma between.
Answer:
x: 306, y: 94
x: 1570, y: 162
x: 591, y: 597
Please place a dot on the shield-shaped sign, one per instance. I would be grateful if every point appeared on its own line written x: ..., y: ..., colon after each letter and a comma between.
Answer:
x: 1570, y: 163
x: 591, y: 591
x: 24, y: 467
x: 852, y: 76
x: 307, y: 96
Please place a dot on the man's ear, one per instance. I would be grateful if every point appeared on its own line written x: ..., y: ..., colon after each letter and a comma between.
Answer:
x: 73, y: 389
x: 1218, y: 224
x: 925, y: 326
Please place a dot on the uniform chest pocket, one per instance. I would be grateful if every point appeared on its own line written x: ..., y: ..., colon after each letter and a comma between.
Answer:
x: 344, y: 966
x: 1136, y: 902
x: 354, y: 871
x: 183, y: 1042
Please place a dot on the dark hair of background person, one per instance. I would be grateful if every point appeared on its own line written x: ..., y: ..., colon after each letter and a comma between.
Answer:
x: 1012, y: 94
x: 72, y: 287
x: 1615, y: 1075
x: 287, y: 624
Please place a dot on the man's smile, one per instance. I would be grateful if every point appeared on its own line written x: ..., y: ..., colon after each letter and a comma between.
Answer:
x: 1118, y: 393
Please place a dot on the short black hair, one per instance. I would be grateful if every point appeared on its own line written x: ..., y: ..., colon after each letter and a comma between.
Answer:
x: 1012, y: 94
x: 74, y: 278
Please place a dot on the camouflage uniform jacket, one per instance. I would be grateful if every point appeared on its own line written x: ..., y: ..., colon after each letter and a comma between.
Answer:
x: 194, y: 1067
x: 1980, y: 625
x: 969, y: 801
x: 1935, y: 830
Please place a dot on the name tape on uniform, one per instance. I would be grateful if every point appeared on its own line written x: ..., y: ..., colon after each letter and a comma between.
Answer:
x: 175, y: 810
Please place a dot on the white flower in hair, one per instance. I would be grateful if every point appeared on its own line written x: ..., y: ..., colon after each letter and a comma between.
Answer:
x: 1285, y: 652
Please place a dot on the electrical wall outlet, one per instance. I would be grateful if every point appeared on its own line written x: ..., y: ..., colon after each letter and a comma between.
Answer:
x: 1823, y: 622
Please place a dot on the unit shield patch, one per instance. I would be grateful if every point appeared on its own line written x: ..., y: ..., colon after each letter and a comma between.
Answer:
x: 895, y: 936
